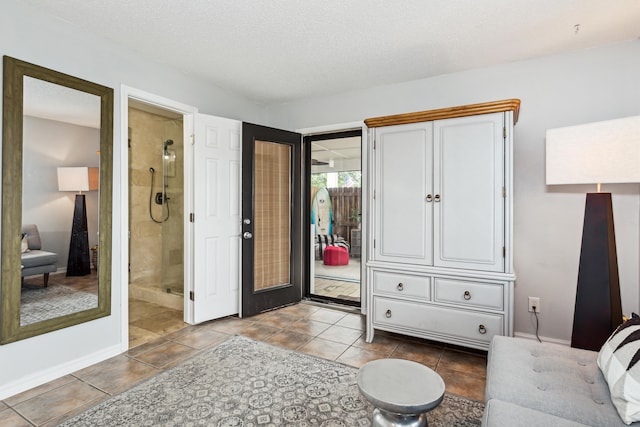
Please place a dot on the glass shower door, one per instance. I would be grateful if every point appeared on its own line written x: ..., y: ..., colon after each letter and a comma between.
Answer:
x: 172, y: 208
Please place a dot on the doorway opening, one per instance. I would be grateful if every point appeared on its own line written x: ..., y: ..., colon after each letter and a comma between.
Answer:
x: 334, y: 214
x: 156, y: 205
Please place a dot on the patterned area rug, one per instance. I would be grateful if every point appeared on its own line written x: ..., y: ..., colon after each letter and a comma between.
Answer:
x: 242, y: 382
x: 41, y: 304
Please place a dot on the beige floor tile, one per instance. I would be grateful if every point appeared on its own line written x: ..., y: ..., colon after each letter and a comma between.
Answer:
x: 142, y: 309
x: 341, y: 334
x: 353, y: 321
x: 198, y: 337
x: 134, y: 351
x: 36, y: 391
x: 139, y: 336
x: 275, y: 319
x: 259, y: 332
x: 327, y: 315
x: 229, y: 325
x: 426, y: 354
x: 3, y: 406
x: 380, y: 344
x: 163, y: 323
x: 463, y: 384
x: 357, y: 357
x: 58, y: 402
x: 167, y: 354
x: 288, y: 339
x: 323, y: 348
x: 472, y: 364
x: 299, y: 311
x: 116, y: 374
x: 309, y: 327
x: 10, y: 418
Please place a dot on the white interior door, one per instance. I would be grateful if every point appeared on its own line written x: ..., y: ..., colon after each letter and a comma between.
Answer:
x: 216, y: 224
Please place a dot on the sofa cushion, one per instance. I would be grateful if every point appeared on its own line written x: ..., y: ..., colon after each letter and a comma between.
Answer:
x: 37, y: 258
x: 618, y: 359
x: 498, y: 413
x: 551, y: 378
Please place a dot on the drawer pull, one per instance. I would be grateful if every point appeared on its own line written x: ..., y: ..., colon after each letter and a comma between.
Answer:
x: 467, y: 295
x: 429, y: 197
x: 400, y: 286
x: 482, y: 329
x: 388, y: 314
x: 436, y: 198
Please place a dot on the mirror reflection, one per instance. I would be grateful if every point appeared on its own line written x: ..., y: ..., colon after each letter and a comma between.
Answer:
x: 57, y: 163
x: 59, y: 247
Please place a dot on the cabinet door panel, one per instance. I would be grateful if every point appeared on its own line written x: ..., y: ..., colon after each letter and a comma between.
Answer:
x: 469, y: 177
x: 403, y: 228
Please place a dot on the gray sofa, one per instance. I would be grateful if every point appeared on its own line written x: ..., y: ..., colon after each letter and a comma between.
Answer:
x: 35, y: 260
x: 543, y: 384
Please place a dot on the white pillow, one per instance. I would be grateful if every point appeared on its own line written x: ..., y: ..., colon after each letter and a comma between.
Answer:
x: 25, y: 244
x: 619, y: 361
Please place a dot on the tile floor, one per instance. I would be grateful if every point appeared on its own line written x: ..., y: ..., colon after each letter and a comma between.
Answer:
x: 159, y: 340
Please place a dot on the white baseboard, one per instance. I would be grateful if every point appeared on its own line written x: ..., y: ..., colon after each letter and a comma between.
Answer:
x: 543, y: 339
x: 42, y: 377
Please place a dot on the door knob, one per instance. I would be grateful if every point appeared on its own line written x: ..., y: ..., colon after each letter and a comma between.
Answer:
x: 247, y: 221
x: 247, y: 235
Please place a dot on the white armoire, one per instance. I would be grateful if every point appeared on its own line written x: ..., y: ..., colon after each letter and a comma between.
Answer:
x: 440, y: 262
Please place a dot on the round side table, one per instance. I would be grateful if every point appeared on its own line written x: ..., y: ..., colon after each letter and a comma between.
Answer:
x: 402, y: 391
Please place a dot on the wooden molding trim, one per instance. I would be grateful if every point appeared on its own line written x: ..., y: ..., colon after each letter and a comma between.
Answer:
x: 447, y: 113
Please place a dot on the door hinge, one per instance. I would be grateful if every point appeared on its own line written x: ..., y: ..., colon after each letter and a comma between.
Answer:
x: 504, y: 192
x: 504, y: 132
x: 191, y: 296
x: 374, y: 143
x: 374, y: 243
x: 504, y: 252
x: 192, y: 217
x: 192, y: 139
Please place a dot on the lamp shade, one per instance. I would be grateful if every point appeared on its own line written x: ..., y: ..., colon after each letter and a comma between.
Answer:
x: 78, y: 178
x: 604, y: 152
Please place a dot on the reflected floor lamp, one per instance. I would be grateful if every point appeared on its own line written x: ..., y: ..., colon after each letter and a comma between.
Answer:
x: 78, y: 179
x: 596, y: 153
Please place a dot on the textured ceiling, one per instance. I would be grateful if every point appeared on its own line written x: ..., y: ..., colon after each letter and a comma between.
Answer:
x: 281, y: 50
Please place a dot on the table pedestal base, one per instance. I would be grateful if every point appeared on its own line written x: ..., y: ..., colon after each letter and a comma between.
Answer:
x: 382, y: 418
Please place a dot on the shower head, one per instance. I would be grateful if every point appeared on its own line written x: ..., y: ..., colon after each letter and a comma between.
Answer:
x: 152, y: 170
x: 167, y: 143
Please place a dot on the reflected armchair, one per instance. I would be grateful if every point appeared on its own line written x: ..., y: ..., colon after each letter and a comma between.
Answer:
x: 34, y: 259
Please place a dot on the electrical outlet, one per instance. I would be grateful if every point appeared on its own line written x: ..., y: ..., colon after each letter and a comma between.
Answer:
x: 534, y: 302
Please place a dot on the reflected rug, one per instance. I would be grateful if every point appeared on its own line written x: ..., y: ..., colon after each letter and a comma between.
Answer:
x: 242, y: 382
x: 41, y: 304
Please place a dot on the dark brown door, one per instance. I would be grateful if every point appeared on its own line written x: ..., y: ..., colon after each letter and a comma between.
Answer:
x: 271, y: 218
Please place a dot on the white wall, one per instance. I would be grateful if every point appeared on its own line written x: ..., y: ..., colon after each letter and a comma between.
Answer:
x: 562, y: 90
x: 28, y: 35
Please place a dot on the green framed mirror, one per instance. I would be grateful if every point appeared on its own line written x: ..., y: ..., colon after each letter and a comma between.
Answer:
x: 61, y: 102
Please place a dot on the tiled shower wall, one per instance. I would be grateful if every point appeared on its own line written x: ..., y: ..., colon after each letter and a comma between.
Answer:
x: 148, y: 132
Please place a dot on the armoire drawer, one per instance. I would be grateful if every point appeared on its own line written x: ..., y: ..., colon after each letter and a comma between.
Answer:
x: 469, y: 293
x: 435, y: 319
x: 402, y: 285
